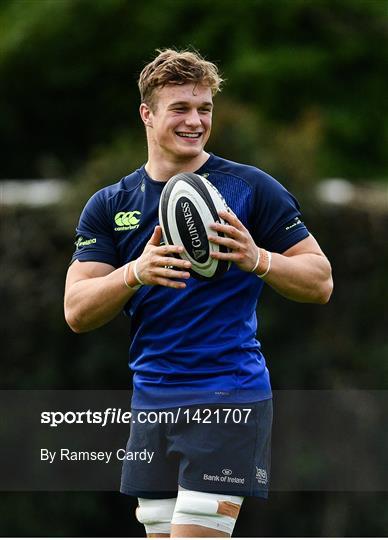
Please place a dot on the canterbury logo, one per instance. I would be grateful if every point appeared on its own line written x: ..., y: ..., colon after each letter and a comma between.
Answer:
x: 198, y: 253
x: 127, y: 220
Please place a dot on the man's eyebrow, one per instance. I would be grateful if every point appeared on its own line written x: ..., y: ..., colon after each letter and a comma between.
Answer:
x: 185, y: 103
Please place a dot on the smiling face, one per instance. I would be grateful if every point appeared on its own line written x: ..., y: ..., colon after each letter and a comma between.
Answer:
x: 179, y: 124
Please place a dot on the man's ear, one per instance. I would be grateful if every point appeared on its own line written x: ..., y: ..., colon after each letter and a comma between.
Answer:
x: 146, y: 114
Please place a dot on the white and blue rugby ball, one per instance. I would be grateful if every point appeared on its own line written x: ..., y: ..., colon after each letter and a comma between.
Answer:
x: 188, y: 205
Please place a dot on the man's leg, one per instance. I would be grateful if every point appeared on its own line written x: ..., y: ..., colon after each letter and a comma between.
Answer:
x: 156, y: 515
x: 200, y: 514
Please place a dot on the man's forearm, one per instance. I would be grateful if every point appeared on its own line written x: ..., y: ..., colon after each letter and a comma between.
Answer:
x: 302, y: 278
x: 92, y: 302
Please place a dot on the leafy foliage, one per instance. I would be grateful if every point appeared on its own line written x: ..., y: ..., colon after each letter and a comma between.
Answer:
x: 70, y: 85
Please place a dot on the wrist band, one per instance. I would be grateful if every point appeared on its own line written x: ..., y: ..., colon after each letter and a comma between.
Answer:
x: 268, y: 267
x: 136, y: 274
x: 125, y: 278
x: 257, y: 260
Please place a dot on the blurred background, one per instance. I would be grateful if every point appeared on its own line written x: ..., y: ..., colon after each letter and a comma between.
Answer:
x: 305, y: 99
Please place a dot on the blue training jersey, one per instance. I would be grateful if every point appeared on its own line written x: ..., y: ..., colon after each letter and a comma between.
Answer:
x: 195, y: 345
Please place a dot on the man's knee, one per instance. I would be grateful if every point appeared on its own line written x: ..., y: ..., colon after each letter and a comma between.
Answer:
x: 210, y: 510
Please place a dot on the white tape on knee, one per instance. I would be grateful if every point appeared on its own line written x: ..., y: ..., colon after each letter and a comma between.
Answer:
x: 199, y: 508
x: 156, y: 514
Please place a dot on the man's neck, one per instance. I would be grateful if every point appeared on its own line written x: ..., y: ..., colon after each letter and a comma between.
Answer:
x: 163, y: 170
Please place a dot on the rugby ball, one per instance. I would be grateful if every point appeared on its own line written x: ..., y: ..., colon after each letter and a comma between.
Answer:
x: 188, y: 205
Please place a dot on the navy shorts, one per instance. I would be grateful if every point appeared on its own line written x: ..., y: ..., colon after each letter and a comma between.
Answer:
x: 212, y: 448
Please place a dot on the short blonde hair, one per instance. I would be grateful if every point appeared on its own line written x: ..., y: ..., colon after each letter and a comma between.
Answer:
x: 177, y: 67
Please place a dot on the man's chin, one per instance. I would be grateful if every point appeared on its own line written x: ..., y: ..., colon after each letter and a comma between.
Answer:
x: 189, y: 153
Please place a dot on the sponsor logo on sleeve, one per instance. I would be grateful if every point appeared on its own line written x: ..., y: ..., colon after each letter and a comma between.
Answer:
x: 296, y: 221
x: 127, y: 221
x: 83, y: 242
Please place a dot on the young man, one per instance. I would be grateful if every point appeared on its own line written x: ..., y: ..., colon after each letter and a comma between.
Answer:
x: 193, y: 349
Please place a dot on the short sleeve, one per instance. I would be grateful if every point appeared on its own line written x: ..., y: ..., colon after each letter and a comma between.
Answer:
x: 94, y: 240
x: 276, y: 218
